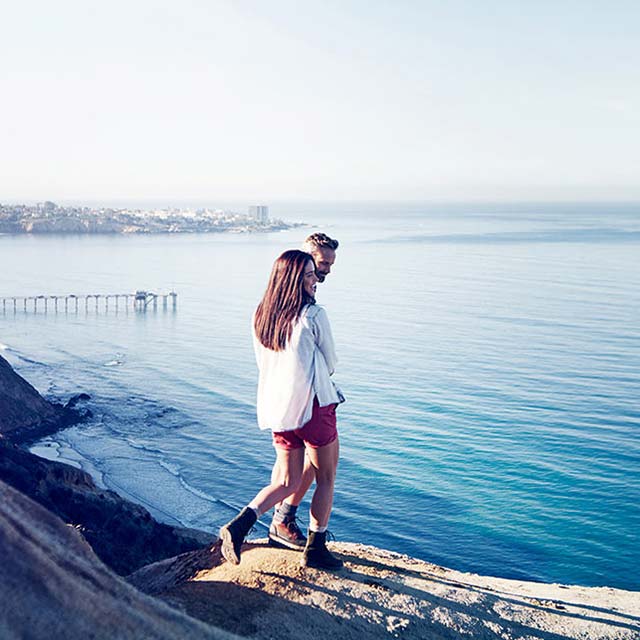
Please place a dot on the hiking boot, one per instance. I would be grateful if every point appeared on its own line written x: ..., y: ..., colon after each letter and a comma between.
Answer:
x: 233, y: 534
x: 317, y: 555
x: 287, y: 534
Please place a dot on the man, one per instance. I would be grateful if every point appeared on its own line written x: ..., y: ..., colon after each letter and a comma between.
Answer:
x: 323, y: 251
x: 284, y: 530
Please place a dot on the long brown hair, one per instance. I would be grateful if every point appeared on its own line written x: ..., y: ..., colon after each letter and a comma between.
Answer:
x: 283, y: 300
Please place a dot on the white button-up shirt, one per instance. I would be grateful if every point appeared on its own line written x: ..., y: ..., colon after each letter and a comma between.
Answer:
x: 290, y: 379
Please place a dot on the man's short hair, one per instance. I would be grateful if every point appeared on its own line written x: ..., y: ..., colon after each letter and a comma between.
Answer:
x: 319, y: 241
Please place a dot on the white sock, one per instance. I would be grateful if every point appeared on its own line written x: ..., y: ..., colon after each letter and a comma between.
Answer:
x: 317, y: 529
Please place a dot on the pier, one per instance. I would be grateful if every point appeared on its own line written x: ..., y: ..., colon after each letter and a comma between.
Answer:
x: 139, y: 301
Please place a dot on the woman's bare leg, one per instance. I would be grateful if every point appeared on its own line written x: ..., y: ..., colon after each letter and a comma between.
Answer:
x: 233, y: 533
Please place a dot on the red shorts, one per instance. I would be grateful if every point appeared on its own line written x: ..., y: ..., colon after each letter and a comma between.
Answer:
x: 320, y: 431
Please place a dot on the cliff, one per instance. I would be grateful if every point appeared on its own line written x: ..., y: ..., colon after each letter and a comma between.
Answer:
x: 22, y: 408
x: 53, y: 586
x: 25, y: 415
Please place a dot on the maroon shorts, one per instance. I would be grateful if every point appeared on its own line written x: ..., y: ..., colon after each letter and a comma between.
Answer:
x: 320, y: 431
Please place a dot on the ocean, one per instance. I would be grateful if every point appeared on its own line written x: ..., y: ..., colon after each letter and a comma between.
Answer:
x: 490, y: 356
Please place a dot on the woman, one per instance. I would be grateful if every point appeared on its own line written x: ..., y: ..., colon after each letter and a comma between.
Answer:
x: 296, y: 400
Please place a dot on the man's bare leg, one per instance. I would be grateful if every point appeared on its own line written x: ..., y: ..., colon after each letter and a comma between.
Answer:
x: 308, y: 476
x: 325, y: 461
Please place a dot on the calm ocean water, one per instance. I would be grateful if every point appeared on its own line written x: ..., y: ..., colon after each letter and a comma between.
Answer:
x: 490, y: 356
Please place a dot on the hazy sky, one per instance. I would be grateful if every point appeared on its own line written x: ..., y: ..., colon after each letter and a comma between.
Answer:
x: 339, y: 99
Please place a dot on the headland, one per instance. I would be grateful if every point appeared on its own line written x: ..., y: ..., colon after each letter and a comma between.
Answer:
x: 48, y: 217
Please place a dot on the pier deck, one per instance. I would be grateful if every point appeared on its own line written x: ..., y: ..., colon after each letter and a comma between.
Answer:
x: 140, y: 301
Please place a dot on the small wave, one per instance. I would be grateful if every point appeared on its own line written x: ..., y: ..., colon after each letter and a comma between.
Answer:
x: 200, y: 494
x: 203, y: 495
x: 141, y: 447
x: 173, y: 469
x: 17, y: 354
x: 29, y: 360
x: 117, y: 361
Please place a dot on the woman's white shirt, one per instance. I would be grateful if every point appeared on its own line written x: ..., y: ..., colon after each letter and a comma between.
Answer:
x: 290, y: 379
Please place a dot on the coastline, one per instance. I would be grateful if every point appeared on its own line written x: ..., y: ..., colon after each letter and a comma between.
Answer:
x: 53, y: 449
x: 49, y: 218
x: 57, y: 450
x: 122, y: 533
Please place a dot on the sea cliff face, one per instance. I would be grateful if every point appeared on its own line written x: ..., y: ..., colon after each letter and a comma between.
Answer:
x: 21, y: 406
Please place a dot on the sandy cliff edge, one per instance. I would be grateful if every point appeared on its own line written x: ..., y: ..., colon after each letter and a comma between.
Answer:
x: 380, y: 594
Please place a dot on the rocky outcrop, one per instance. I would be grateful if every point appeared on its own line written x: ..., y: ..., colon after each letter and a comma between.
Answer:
x: 171, y: 572
x: 381, y: 595
x: 123, y: 535
x: 21, y: 406
x: 53, y: 586
x: 24, y: 414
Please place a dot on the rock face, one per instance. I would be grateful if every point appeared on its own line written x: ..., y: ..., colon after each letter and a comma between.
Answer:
x: 381, y: 595
x: 25, y: 415
x: 123, y: 535
x: 53, y: 586
x: 21, y: 406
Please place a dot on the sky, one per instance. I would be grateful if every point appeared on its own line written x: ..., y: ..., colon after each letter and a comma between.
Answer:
x: 213, y: 100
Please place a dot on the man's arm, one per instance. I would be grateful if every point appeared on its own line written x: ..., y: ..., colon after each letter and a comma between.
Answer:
x: 324, y: 339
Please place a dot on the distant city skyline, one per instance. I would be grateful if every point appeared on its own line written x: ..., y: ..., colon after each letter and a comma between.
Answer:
x: 337, y: 100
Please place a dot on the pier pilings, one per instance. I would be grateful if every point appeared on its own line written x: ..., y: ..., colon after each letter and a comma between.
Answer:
x: 141, y: 300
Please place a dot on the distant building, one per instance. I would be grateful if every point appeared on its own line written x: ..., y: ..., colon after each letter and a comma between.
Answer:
x: 47, y: 207
x: 260, y: 213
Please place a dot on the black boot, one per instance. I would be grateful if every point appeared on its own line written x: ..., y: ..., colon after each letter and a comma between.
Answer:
x: 317, y: 555
x: 233, y: 534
